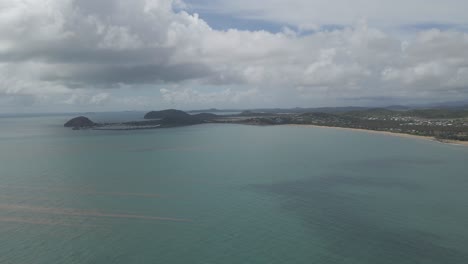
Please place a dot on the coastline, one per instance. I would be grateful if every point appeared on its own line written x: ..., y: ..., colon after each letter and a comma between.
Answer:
x: 388, y: 133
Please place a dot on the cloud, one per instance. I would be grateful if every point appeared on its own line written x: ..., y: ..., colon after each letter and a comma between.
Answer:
x: 193, y: 96
x: 71, y: 52
x: 313, y: 13
x: 96, y: 99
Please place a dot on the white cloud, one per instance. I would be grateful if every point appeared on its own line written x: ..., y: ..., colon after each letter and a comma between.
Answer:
x: 188, y: 96
x: 70, y: 52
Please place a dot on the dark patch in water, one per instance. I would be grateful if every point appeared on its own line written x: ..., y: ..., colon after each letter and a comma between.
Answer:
x: 391, y: 162
x: 368, y: 182
x: 157, y: 148
x: 355, y: 228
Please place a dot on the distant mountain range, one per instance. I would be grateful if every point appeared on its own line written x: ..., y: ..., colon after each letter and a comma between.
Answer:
x: 460, y: 105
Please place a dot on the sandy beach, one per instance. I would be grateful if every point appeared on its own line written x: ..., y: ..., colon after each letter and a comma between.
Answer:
x: 451, y: 142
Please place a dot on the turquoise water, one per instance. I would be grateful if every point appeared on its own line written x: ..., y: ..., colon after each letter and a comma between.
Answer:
x: 228, y: 194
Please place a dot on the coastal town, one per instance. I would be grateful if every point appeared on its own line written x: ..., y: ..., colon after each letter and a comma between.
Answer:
x: 440, y: 124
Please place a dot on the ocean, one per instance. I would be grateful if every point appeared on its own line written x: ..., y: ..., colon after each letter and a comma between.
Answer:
x: 227, y: 194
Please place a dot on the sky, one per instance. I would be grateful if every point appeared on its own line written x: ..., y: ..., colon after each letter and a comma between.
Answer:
x: 107, y: 55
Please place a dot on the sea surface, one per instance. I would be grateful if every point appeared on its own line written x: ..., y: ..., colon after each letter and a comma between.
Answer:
x: 227, y: 194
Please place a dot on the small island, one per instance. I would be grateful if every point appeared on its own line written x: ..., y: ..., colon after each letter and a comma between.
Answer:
x: 80, y: 122
x: 446, y: 125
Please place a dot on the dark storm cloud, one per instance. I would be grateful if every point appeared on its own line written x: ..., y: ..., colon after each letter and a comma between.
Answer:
x: 141, y: 56
x: 70, y: 55
x: 139, y: 74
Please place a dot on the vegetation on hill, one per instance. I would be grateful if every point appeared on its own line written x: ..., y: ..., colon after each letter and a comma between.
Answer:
x: 79, y: 122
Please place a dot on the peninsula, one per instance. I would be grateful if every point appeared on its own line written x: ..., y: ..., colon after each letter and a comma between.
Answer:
x: 441, y: 124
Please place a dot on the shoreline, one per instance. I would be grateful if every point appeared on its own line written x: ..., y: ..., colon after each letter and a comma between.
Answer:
x: 388, y: 133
